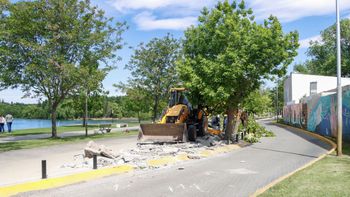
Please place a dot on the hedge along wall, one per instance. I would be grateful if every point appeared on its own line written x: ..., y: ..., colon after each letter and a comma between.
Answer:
x: 319, y: 114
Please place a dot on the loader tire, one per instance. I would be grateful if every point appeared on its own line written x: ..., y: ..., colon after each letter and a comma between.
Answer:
x: 191, y: 133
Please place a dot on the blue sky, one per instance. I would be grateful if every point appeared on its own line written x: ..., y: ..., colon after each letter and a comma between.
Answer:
x: 155, y: 18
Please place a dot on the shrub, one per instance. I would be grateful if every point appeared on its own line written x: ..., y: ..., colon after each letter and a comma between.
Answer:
x: 251, y: 138
x: 256, y: 131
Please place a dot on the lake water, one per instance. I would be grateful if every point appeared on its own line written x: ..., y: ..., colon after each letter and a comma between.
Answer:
x: 39, y: 123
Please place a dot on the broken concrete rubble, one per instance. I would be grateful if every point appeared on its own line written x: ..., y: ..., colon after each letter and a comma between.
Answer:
x: 92, y: 149
x: 143, y: 153
x: 193, y: 156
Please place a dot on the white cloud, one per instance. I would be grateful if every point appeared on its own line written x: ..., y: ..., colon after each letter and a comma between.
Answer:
x: 126, y: 5
x: 305, y: 43
x: 290, y: 10
x: 162, y: 14
x: 146, y: 21
x: 177, y: 14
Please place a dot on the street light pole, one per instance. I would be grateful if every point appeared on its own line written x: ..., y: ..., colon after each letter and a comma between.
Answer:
x: 339, y: 89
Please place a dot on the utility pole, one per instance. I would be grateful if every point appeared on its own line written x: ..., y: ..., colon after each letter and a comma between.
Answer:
x: 339, y: 89
x: 277, y: 102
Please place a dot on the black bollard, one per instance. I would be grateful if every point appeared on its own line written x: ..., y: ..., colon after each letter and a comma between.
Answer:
x: 237, y: 137
x: 43, y: 169
x: 242, y: 136
x: 95, y: 162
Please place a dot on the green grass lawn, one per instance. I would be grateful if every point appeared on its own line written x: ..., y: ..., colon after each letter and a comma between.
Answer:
x: 62, y: 129
x: 25, y: 144
x: 328, y: 177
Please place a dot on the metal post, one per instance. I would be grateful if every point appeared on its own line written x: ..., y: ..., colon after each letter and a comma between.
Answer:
x: 43, y: 169
x: 237, y: 137
x: 339, y: 89
x: 95, y: 162
x: 242, y: 136
x: 86, y: 114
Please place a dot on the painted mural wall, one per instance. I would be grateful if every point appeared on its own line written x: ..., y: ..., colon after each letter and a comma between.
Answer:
x: 318, y: 114
x: 295, y: 115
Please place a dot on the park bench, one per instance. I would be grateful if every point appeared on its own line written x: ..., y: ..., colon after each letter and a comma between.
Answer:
x: 105, y: 127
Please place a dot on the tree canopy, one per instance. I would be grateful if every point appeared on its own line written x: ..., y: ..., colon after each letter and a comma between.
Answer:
x: 153, y: 70
x: 258, y: 102
x: 228, y: 55
x: 47, y: 45
x: 322, y: 53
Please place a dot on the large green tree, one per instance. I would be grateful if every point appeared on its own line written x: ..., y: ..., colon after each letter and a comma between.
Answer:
x: 136, y: 101
x: 322, y: 53
x: 258, y: 102
x: 46, y: 46
x: 153, y: 69
x: 228, y: 55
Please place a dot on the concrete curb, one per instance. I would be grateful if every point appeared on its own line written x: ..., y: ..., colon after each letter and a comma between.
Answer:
x: 103, y: 172
x: 273, y: 183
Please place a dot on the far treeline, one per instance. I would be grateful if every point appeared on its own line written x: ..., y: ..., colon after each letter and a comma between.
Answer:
x: 260, y: 103
x: 99, y: 106
x: 61, y: 50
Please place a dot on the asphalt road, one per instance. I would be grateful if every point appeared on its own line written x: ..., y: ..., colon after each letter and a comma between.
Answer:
x: 239, y: 173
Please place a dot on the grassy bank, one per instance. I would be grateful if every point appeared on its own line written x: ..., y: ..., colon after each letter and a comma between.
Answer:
x: 61, y: 129
x: 25, y: 144
x: 328, y: 177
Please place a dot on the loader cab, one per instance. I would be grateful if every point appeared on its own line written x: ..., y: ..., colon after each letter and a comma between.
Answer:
x: 178, y: 96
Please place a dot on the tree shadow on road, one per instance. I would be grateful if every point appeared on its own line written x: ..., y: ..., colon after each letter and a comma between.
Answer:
x: 287, y: 152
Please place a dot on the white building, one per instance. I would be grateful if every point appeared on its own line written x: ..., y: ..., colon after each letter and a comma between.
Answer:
x: 297, y: 86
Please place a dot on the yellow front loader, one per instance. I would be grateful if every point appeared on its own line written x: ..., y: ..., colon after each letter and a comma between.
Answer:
x: 180, y: 122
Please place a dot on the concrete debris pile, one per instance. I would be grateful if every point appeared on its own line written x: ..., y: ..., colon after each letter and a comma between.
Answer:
x: 100, y: 150
x: 140, y: 155
x: 79, y: 161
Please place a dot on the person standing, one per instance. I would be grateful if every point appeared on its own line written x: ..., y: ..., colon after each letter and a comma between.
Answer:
x: 9, y: 119
x: 215, y: 122
x: 2, y: 123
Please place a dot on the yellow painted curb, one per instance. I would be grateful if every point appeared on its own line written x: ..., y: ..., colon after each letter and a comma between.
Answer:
x: 218, y: 150
x: 263, y: 189
x: 61, y: 181
x: 161, y: 161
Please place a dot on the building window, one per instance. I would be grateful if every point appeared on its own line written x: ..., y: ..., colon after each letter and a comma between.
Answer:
x: 313, y: 88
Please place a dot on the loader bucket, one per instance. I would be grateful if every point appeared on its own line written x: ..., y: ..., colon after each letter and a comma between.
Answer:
x: 162, y: 133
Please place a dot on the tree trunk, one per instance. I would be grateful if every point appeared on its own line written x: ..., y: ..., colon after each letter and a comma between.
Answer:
x: 84, y: 120
x: 238, y: 121
x: 53, y: 121
x: 229, y: 126
x: 155, y: 108
x: 138, y: 116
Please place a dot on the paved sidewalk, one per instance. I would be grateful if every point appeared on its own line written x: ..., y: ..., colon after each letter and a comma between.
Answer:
x: 19, y: 166
x: 65, y: 134
x: 239, y: 173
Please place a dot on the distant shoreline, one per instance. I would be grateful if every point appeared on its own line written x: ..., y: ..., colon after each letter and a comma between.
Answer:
x: 80, y: 119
